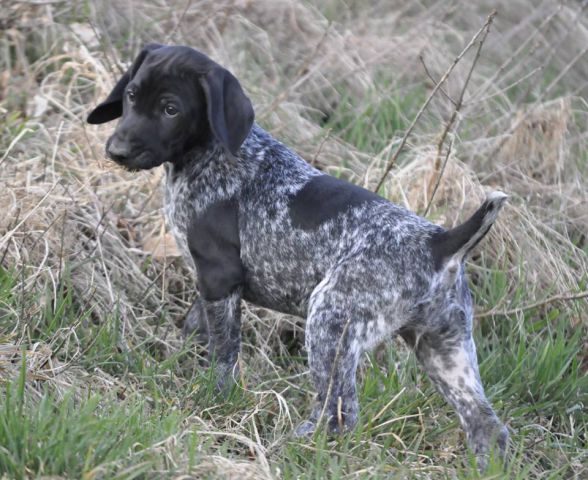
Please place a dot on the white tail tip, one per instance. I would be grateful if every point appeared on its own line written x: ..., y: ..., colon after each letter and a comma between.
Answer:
x: 497, y: 195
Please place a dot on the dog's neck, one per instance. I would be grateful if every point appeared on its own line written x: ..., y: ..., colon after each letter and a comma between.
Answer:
x: 191, y: 165
x: 207, y: 175
x: 212, y: 157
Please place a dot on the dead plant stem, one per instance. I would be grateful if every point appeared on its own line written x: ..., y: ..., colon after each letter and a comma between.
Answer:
x: 437, y: 173
x: 457, y: 59
x: 556, y: 298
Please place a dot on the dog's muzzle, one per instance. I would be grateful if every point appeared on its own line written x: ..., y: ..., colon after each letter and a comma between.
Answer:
x: 117, y: 150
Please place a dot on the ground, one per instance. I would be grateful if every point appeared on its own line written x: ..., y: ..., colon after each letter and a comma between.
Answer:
x: 96, y: 381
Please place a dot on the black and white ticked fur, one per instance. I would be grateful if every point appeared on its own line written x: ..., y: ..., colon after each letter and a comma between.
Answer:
x: 261, y: 224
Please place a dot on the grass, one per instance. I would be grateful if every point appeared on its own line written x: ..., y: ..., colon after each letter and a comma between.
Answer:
x: 376, y: 113
x: 145, y: 421
x: 96, y: 380
x: 81, y: 438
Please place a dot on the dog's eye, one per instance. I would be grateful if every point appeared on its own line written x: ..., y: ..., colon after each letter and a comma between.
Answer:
x: 131, y: 96
x: 170, y: 110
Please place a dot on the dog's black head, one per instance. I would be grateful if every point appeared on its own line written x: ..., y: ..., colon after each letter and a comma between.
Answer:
x: 171, y: 100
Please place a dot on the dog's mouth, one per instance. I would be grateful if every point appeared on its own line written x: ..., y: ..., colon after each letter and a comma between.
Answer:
x: 128, y: 168
x: 133, y: 163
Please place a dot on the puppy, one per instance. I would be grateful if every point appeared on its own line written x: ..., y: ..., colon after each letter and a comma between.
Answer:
x: 260, y: 224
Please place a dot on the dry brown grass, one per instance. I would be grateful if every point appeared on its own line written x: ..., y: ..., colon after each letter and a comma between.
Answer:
x: 522, y: 129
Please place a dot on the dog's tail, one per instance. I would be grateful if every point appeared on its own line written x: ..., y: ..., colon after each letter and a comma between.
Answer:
x: 452, y: 246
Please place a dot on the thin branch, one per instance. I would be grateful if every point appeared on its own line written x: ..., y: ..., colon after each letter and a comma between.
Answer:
x: 392, y: 161
x: 522, y: 118
x: 555, y: 298
x: 508, y: 87
x: 301, y: 72
x: 439, y: 177
x: 437, y: 173
x: 332, y: 376
x: 554, y: 49
x: 491, y: 80
x: 430, y: 75
x: 178, y: 23
x: 320, y: 147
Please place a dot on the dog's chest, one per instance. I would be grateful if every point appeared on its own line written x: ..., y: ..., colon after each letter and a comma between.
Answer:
x: 177, y: 212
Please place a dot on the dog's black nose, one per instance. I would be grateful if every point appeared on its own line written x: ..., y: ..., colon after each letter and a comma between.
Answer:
x: 117, y: 150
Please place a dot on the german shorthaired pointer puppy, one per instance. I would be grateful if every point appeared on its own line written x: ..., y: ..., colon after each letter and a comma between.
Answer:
x: 261, y: 224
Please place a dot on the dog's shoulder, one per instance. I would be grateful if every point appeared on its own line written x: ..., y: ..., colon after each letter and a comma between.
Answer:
x: 213, y: 242
x: 324, y: 197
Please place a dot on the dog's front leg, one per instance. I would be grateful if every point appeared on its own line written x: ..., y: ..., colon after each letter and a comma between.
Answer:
x: 224, y: 337
x: 195, y: 323
x: 213, y: 240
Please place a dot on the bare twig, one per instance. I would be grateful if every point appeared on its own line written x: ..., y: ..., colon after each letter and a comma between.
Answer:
x: 430, y: 75
x: 320, y: 147
x: 439, y: 177
x: 437, y: 173
x: 300, y: 74
x: 556, y: 298
x: 518, y: 81
x: 522, y: 118
x: 333, y: 370
x: 392, y: 161
x: 492, y: 79
x: 179, y: 22
x: 554, y: 49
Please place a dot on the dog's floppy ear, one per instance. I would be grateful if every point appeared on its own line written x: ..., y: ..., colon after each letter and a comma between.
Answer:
x: 111, y: 108
x: 230, y: 113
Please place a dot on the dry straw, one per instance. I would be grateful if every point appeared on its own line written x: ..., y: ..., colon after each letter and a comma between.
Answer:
x: 67, y: 210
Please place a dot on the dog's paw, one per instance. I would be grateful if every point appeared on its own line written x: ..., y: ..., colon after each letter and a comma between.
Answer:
x: 195, y: 324
x: 227, y: 376
x: 305, y: 429
x: 499, y: 444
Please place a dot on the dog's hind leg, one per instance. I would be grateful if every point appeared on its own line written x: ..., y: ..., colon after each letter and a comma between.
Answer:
x: 333, y: 355
x: 346, y: 317
x: 450, y: 361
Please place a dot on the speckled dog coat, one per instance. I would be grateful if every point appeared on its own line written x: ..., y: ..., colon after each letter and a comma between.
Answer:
x: 261, y: 224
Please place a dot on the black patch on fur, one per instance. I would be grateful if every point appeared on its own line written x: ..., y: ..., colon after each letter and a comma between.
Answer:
x: 446, y: 243
x: 323, y: 198
x: 213, y: 240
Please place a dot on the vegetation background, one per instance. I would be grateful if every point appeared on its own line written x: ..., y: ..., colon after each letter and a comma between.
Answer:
x: 96, y: 380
